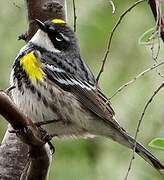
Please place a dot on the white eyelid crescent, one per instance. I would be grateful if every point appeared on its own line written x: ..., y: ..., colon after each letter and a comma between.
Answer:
x: 64, y: 37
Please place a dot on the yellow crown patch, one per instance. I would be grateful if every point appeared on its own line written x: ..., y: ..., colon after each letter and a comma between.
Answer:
x: 58, y: 21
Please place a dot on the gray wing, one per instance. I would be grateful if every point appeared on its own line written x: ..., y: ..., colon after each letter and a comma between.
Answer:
x: 89, y: 96
x: 74, y: 76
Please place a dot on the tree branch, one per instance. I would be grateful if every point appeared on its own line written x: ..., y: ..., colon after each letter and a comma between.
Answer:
x: 29, y: 134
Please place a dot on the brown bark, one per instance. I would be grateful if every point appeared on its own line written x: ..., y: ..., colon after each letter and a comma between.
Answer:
x: 14, y: 154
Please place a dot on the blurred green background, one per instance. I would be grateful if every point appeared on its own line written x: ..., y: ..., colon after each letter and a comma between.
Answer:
x: 99, y: 158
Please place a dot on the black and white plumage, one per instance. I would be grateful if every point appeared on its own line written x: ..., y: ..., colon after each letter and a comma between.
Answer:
x: 55, y: 86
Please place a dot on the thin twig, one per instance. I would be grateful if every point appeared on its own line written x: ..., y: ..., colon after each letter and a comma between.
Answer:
x: 155, y: 55
x: 138, y: 126
x: 159, y: 73
x: 113, y: 7
x: 157, y: 31
x: 154, y: 8
x: 111, y: 36
x: 134, y: 79
x: 158, y: 28
x: 74, y: 15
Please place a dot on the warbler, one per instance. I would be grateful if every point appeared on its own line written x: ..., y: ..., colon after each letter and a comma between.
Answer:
x: 54, y: 87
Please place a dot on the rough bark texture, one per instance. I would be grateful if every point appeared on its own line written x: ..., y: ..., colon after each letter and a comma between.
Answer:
x: 14, y: 153
x: 13, y: 156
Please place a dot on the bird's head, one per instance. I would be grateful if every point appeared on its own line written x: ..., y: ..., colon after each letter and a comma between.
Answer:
x: 56, y: 36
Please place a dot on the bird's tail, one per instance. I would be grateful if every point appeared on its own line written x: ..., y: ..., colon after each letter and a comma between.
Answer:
x: 146, y: 155
x: 111, y: 129
x: 121, y: 136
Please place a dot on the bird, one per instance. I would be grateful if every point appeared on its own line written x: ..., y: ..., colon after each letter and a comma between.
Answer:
x: 56, y: 89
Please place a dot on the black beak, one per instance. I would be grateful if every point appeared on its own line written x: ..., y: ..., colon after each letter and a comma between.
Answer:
x: 41, y: 25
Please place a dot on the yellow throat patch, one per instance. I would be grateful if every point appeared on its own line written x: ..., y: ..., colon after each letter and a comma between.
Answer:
x: 32, y: 67
x: 58, y: 21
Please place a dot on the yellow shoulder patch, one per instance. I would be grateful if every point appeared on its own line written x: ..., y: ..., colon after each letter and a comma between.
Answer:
x: 31, y: 65
x: 58, y: 21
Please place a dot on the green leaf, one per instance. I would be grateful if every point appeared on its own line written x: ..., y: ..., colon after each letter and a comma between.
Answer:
x: 148, y: 37
x: 157, y: 143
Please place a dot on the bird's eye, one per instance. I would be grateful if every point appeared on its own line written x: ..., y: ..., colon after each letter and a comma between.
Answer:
x: 60, y: 41
x: 59, y: 38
